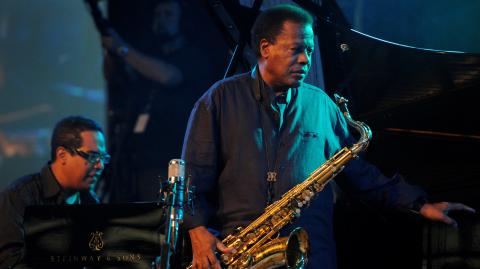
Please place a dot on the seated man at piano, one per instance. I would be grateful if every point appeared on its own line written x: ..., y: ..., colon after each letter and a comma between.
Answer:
x: 78, y: 156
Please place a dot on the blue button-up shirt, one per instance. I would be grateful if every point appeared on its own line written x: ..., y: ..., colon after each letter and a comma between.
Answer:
x: 234, y: 138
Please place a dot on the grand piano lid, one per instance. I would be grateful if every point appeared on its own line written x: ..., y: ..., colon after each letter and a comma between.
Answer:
x: 390, y: 83
x: 383, y: 75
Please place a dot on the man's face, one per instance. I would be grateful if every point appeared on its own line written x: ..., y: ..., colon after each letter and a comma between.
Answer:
x: 166, y: 19
x: 286, y: 61
x: 82, y: 174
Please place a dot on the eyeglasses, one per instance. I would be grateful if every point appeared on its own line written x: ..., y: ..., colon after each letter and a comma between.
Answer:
x: 93, y: 157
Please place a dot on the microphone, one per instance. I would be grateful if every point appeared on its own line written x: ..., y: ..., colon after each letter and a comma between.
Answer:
x: 176, y: 168
x: 174, y: 203
x: 176, y: 179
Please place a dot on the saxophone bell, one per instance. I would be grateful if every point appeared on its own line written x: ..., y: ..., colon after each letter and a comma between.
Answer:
x: 298, y: 246
x: 291, y: 251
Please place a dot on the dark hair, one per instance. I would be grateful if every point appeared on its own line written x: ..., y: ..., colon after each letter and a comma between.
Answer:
x: 270, y: 22
x: 67, y: 133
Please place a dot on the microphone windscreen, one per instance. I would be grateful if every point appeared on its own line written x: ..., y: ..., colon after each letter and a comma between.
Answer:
x: 176, y: 168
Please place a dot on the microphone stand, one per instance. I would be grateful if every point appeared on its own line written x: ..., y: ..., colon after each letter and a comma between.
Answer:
x: 177, y: 194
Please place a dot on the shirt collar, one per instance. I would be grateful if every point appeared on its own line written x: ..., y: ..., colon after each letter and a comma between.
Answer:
x: 261, y: 91
x: 50, y: 185
x: 51, y: 188
x: 257, y: 83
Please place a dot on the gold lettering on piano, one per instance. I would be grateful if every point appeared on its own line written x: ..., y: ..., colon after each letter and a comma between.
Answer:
x: 97, y: 259
x: 96, y: 241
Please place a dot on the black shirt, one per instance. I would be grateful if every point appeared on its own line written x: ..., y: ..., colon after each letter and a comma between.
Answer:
x: 36, y: 189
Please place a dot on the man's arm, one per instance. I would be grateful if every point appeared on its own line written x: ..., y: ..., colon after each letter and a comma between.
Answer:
x: 200, y: 151
x: 11, y: 231
x: 152, y: 68
x: 368, y: 182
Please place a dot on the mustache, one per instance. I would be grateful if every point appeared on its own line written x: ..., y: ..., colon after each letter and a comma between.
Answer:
x: 300, y: 69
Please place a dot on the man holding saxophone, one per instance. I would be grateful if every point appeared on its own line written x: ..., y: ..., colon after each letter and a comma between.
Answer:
x: 253, y: 137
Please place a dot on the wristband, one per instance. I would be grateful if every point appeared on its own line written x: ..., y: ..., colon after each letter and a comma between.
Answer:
x: 122, y: 51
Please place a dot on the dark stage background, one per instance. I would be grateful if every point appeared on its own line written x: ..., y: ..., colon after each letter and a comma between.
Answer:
x: 51, y: 66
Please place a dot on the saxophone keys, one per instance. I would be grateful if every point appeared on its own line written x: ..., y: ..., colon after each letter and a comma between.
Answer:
x: 307, y: 195
x: 237, y: 230
x: 275, y: 219
x: 250, y: 237
x: 226, y: 258
x: 245, y: 261
x: 318, y: 187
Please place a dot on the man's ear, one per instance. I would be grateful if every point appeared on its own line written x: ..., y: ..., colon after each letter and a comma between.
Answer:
x: 264, y: 48
x: 61, y: 154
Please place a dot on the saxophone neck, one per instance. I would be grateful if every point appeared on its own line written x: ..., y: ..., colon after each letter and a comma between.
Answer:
x: 362, y: 128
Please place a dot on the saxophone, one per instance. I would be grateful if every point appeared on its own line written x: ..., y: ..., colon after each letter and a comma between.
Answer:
x: 256, y: 245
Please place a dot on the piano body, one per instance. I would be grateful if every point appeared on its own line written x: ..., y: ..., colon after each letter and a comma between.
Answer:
x: 422, y: 107
x: 93, y: 236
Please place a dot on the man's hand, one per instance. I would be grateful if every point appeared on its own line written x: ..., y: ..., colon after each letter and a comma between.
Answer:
x: 439, y: 211
x: 114, y: 42
x: 204, y: 245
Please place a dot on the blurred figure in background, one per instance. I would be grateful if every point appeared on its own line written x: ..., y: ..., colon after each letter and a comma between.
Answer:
x: 167, y: 73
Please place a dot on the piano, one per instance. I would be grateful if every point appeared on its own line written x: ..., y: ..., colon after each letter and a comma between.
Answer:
x: 93, y: 236
x: 420, y: 105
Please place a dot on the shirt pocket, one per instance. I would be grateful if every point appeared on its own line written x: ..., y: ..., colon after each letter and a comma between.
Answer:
x: 310, y: 153
x: 311, y: 142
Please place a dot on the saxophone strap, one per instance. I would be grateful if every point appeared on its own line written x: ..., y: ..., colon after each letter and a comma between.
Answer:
x: 277, y: 106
